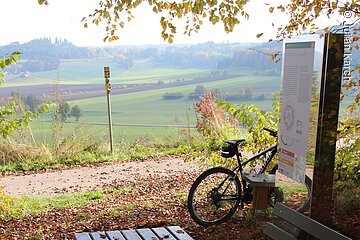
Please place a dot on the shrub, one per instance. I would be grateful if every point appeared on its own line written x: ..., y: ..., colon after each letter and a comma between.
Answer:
x: 172, y: 96
x: 10, y: 207
x: 252, y: 120
x: 347, y: 164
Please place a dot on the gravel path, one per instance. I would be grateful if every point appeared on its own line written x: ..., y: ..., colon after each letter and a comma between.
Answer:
x: 81, y: 179
x: 90, y: 178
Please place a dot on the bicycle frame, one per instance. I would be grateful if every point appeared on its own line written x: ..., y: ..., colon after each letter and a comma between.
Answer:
x: 272, y: 149
x: 239, y: 168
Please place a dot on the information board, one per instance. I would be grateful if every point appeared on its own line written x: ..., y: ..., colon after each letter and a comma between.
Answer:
x: 298, y: 68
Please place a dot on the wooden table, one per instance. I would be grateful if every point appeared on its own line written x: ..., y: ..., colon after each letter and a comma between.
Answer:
x: 261, y: 184
x: 160, y: 233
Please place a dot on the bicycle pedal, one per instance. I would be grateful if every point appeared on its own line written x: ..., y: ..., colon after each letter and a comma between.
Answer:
x: 241, y: 213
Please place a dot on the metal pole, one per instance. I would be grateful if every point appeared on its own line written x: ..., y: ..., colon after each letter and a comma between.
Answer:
x: 109, y: 115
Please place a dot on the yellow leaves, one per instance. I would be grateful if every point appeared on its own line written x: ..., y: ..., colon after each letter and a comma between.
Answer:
x: 170, y: 40
x: 357, y: 68
x: 281, y: 8
x: 357, y: 142
x: 96, y: 21
x: 259, y: 35
x: 271, y: 9
x: 271, y: 57
x: 41, y: 2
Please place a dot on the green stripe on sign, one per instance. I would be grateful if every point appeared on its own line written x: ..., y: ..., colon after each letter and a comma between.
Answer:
x: 300, y: 45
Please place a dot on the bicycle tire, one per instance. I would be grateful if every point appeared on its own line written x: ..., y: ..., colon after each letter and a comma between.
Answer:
x: 192, y: 206
x: 308, y: 183
x: 306, y: 205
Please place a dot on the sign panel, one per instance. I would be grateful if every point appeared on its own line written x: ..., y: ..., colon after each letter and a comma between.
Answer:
x: 107, y: 72
x: 296, y: 94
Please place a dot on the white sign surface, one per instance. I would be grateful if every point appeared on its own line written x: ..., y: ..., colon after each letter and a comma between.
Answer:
x: 295, y: 108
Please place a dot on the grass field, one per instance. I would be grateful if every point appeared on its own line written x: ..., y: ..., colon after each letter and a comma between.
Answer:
x: 43, y: 133
x: 149, y: 107
x: 90, y: 71
x: 146, y: 107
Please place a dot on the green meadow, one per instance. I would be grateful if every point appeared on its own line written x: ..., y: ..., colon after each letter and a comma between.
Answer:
x: 150, y: 108
x: 145, y: 107
x: 90, y: 71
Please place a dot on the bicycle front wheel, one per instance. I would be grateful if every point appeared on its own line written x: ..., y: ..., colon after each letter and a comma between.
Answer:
x: 214, y: 196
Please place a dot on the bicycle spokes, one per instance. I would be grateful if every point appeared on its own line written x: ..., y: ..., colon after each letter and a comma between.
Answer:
x: 212, y: 203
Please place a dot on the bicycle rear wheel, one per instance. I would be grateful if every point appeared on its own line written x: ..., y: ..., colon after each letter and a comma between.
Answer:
x: 279, y: 197
x: 214, y: 196
x: 306, y: 205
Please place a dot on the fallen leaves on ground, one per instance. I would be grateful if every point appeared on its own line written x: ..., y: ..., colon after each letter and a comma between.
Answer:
x: 153, y: 201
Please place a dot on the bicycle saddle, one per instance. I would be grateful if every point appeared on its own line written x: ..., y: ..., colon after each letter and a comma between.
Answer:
x: 234, y: 142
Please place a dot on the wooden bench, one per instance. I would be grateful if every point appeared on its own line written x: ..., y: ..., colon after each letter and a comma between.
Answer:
x: 160, y: 233
x: 261, y: 184
x: 291, y: 225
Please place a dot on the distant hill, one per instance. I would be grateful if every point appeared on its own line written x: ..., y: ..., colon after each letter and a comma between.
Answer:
x: 256, y: 57
x: 45, y: 54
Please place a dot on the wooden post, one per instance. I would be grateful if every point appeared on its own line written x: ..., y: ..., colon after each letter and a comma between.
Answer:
x: 108, y: 90
x: 321, y: 202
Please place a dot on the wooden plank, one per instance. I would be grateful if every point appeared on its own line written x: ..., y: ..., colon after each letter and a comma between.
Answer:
x: 147, y: 234
x: 261, y: 180
x: 82, y: 236
x: 179, y: 233
x: 260, y: 198
x: 99, y: 236
x: 130, y: 235
x: 163, y: 233
x: 115, y: 235
x: 309, y: 225
x: 277, y: 233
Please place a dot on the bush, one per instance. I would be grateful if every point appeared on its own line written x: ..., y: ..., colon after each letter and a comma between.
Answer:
x: 172, y: 96
x: 347, y: 164
x: 252, y: 120
x: 261, y: 97
x: 10, y: 207
x: 218, y: 120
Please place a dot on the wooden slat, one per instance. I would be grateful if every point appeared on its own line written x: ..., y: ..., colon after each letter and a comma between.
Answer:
x: 179, y: 233
x: 147, y: 234
x: 277, y: 233
x: 99, y: 236
x: 130, y: 235
x: 82, y: 236
x: 309, y: 225
x: 115, y: 235
x: 163, y: 233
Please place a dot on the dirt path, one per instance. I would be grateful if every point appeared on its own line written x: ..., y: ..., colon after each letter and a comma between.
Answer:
x: 90, y: 178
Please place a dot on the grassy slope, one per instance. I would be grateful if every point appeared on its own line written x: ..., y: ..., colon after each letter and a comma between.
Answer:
x: 90, y: 71
x: 149, y: 107
x: 141, y: 107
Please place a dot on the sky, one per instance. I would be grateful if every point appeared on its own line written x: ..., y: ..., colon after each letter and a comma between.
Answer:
x: 24, y: 20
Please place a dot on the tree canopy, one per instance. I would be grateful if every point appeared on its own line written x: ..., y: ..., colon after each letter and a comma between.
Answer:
x: 302, y: 16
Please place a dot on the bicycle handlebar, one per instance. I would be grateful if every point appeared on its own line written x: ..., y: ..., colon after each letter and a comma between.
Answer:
x: 272, y: 132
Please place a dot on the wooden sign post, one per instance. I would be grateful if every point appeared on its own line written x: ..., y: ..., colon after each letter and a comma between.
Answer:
x: 108, y: 87
x: 321, y: 201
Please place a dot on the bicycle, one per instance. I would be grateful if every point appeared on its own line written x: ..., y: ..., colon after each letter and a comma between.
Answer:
x: 222, y: 194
